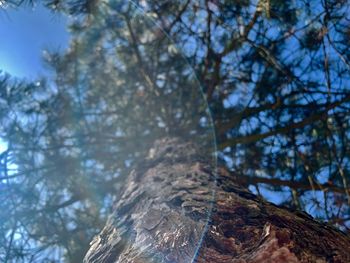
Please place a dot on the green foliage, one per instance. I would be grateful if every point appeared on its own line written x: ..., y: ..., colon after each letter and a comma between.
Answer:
x: 275, y: 75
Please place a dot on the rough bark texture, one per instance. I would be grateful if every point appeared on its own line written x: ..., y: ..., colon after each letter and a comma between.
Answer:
x: 164, y: 210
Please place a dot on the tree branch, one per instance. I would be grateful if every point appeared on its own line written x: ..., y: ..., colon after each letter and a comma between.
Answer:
x: 283, y: 130
x: 291, y: 184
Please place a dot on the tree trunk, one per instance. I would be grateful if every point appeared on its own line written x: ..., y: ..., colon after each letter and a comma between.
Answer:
x: 162, y: 216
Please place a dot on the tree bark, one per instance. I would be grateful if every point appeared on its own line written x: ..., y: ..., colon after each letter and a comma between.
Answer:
x: 162, y: 216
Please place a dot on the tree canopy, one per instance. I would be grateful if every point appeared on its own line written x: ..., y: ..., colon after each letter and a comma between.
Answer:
x: 268, y: 79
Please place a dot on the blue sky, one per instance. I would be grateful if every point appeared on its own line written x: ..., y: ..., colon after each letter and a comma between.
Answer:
x: 24, y: 33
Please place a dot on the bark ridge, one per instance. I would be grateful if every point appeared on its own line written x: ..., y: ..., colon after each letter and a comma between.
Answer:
x: 167, y: 201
